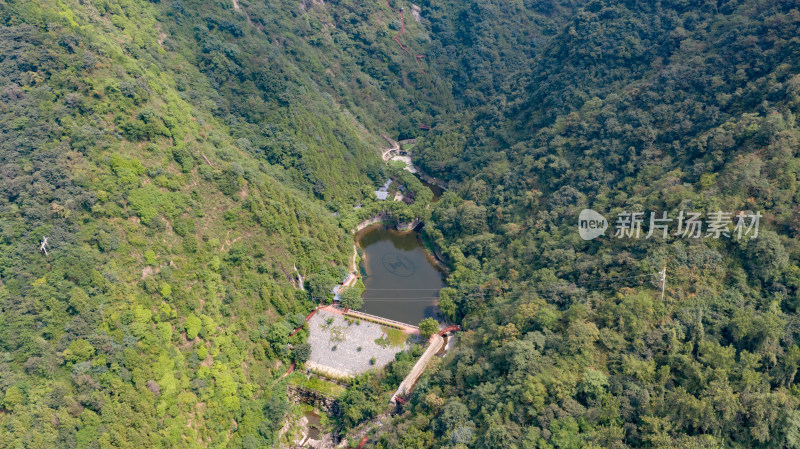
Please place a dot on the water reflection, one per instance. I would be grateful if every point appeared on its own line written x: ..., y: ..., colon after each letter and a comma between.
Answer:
x: 314, y: 424
x: 402, y: 281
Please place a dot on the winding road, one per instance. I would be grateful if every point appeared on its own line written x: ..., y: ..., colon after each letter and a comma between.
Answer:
x: 390, y: 152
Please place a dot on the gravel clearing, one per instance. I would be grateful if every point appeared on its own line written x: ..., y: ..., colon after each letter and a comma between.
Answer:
x: 347, y: 338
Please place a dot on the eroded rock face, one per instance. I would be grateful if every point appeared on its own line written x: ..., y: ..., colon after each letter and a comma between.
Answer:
x: 322, y: 402
x: 318, y: 400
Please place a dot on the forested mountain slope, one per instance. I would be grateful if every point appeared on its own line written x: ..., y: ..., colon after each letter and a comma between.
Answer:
x: 187, y: 159
x: 177, y: 200
x: 633, y: 106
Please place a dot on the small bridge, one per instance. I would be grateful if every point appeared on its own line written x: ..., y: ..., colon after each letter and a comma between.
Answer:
x: 448, y: 329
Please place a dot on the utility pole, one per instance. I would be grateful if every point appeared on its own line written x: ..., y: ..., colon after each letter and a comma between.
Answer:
x: 663, y: 281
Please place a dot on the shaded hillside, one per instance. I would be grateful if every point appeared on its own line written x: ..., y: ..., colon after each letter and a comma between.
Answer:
x: 631, y: 107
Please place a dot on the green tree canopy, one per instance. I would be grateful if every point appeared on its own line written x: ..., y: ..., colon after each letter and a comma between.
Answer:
x: 428, y: 327
x: 350, y: 298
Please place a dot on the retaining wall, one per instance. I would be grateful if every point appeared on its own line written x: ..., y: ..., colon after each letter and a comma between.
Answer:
x: 371, y: 221
x: 313, y: 397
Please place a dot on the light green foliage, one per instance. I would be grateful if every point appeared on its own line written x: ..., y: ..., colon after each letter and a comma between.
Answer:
x: 164, y: 331
x: 594, y: 383
x: 79, y: 301
x: 150, y: 257
x: 79, y: 351
x: 315, y: 383
x: 428, y: 327
x: 192, y: 326
x: 128, y: 170
x: 392, y: 337
x: 145, y: 202
x: 447, y: 302
x: 223, y: 140
x: 13, y: 397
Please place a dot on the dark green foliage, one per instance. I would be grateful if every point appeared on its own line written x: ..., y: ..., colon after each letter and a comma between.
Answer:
x: 350, y: 298
x: 627, y: 106
x: 301, y: 352
x: 184, y: 158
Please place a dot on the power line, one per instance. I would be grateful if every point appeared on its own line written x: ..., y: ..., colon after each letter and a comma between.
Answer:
x: 421, y: 298
x: 661, y: 281
x: 485, y: 294
x: 596, y: 281
x: 600, y: 281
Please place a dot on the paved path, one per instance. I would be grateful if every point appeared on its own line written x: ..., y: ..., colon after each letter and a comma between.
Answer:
x: 405, y: 387
x: 405, y: 327
x: 387, y: 153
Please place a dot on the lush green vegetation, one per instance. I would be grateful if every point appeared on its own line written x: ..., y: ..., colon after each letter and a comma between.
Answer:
x: 392, y: 337
x: 187, y: 160
x: 630, y: 106
x: 160, y: 315
x: 428, y: 327
x: 350, y: 298
x: 369, y: 393
x: 316, y: 383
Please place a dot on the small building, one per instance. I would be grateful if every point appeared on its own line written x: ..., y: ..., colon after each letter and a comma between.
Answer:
x: 383, y: 192
x: 338, y: 288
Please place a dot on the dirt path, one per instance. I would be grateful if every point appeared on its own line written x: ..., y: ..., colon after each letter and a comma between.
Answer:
x: 353, y: 267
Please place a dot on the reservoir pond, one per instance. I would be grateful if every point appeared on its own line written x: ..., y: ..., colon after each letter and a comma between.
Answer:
x: 402, y: 280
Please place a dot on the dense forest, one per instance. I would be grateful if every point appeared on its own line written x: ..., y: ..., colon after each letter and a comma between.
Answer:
x: 632, y: 106
x: 186, y: 160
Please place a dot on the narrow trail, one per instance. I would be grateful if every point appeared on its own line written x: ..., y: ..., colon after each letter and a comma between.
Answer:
x: 403, y: 29
x: 353, y: 266
x: 387, y: 153
x: 362, y: 429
